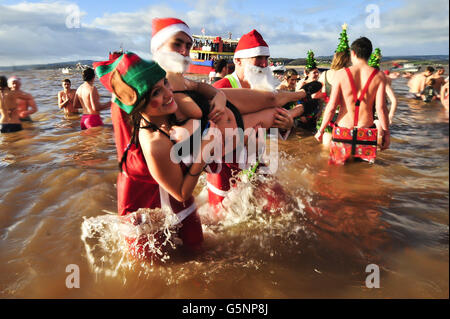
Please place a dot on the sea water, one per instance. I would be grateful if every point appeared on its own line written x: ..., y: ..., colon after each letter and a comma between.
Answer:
x: 58, y: 207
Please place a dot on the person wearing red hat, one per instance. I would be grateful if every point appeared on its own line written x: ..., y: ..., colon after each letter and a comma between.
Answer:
x: 171, y: 43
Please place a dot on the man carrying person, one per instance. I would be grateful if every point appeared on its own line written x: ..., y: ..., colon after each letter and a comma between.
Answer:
x: 88, y: 98
x: 357, y: 89
x: 25, y: 102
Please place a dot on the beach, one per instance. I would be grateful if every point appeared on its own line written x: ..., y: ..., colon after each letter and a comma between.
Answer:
x: 59, y: 207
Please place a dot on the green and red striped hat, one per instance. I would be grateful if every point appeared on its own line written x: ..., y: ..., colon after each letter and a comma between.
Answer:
x: 129, y: 78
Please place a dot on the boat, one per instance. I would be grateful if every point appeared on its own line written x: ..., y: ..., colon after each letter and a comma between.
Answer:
x: 407, y: 67
x: 207, y: 49
x: 65, y: 70
x: 278, y: 68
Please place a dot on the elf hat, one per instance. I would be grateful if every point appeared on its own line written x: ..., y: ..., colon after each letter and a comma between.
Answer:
x: 251, y: 45
x: 343, y: 41
x: 164, y: 28
x: 375, y: 58
x: 129, y: 78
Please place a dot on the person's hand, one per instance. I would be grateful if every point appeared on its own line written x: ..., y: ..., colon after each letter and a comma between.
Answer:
x: 283, y: 119
x: 218, y: 104
x: 386, y: 141
x: 319, y: 136
x: 391, y: 118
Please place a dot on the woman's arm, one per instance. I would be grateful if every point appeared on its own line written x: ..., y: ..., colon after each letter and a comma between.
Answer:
x: 166, y: 172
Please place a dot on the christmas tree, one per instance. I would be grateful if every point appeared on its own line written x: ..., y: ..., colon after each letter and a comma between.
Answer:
x: 375, y: 58
x: 343, y: 40
x: 311, y: 63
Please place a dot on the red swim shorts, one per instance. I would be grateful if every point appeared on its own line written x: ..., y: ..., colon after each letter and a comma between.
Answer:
x: 90, y: 120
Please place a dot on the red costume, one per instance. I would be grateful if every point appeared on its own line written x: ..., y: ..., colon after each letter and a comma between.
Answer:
x: 357, y: 142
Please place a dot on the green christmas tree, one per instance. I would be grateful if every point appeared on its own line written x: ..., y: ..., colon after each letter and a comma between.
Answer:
x: 311, y: 62
x: 375, y: 58
x: 343, y: 40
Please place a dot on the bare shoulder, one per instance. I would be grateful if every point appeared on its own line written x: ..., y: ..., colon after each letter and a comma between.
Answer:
x: 155, y: 144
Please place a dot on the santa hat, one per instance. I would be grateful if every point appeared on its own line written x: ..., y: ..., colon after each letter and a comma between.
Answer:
x: 129, y: 77
x: 251, y: 45
x: 12, y: 79
x: 164, y: 28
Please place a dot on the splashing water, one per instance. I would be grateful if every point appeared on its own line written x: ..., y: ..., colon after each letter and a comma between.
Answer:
x: 119, y: 242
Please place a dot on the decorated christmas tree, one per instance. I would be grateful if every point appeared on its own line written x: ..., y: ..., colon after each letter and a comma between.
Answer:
x: 375, y: 58
x: 311, y: 62
x: 343, y: 40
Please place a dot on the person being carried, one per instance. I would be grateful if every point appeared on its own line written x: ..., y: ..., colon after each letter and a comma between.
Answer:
x: 25, y: 102
x: 66, y: 98
x: 88, y: 98
x: 429, y: 93
x: 356, y: 89
x: 9, y: 114
x: 417, y: 83
x: 244, y: 107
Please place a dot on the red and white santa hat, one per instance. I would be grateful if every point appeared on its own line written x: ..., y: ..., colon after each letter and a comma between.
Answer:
x: 251, y: 45
x: 164, y: 28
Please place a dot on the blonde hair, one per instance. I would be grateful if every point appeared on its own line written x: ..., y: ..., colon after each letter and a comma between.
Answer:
x: 340, y: 60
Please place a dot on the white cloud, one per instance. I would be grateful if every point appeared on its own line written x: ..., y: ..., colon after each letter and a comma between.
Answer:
x: 37, y: 32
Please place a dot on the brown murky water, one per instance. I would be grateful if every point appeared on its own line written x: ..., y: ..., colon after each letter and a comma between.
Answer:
x: 58, y: 182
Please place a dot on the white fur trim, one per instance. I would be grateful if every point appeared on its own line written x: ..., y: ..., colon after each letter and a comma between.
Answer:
x: 215, y: 190
x: 251, y: 53
x: 163, y: 35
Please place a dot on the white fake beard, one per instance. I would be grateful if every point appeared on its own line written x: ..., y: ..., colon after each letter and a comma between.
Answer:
x: 172, y: 61
x: 260, y: 78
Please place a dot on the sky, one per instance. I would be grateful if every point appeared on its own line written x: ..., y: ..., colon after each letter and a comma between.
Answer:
x: 33, y: 32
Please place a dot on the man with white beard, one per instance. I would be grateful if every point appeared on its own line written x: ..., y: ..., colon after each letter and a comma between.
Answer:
x: 252, y: 71
x: 170, y: 46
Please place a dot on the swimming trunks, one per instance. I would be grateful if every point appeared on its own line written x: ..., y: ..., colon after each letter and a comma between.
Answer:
x: 10, y: 127
x: 356, y: 142
x: 26, y: 119
x: 90, y: 120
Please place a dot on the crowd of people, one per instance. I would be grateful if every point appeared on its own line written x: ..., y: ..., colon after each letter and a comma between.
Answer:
x: 153, y: 105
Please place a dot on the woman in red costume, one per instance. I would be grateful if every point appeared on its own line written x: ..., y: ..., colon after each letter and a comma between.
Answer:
x: 149, y: 178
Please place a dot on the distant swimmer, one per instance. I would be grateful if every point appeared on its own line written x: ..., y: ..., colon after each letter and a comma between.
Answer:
x: 9, y: 115
x: 25, y: 102
x: 87, y: 96
x: 66, y: 97
x: 356, y: 89
x: 417, y: 83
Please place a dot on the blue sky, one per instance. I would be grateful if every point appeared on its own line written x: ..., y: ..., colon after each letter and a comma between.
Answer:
x: 36, y: 31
